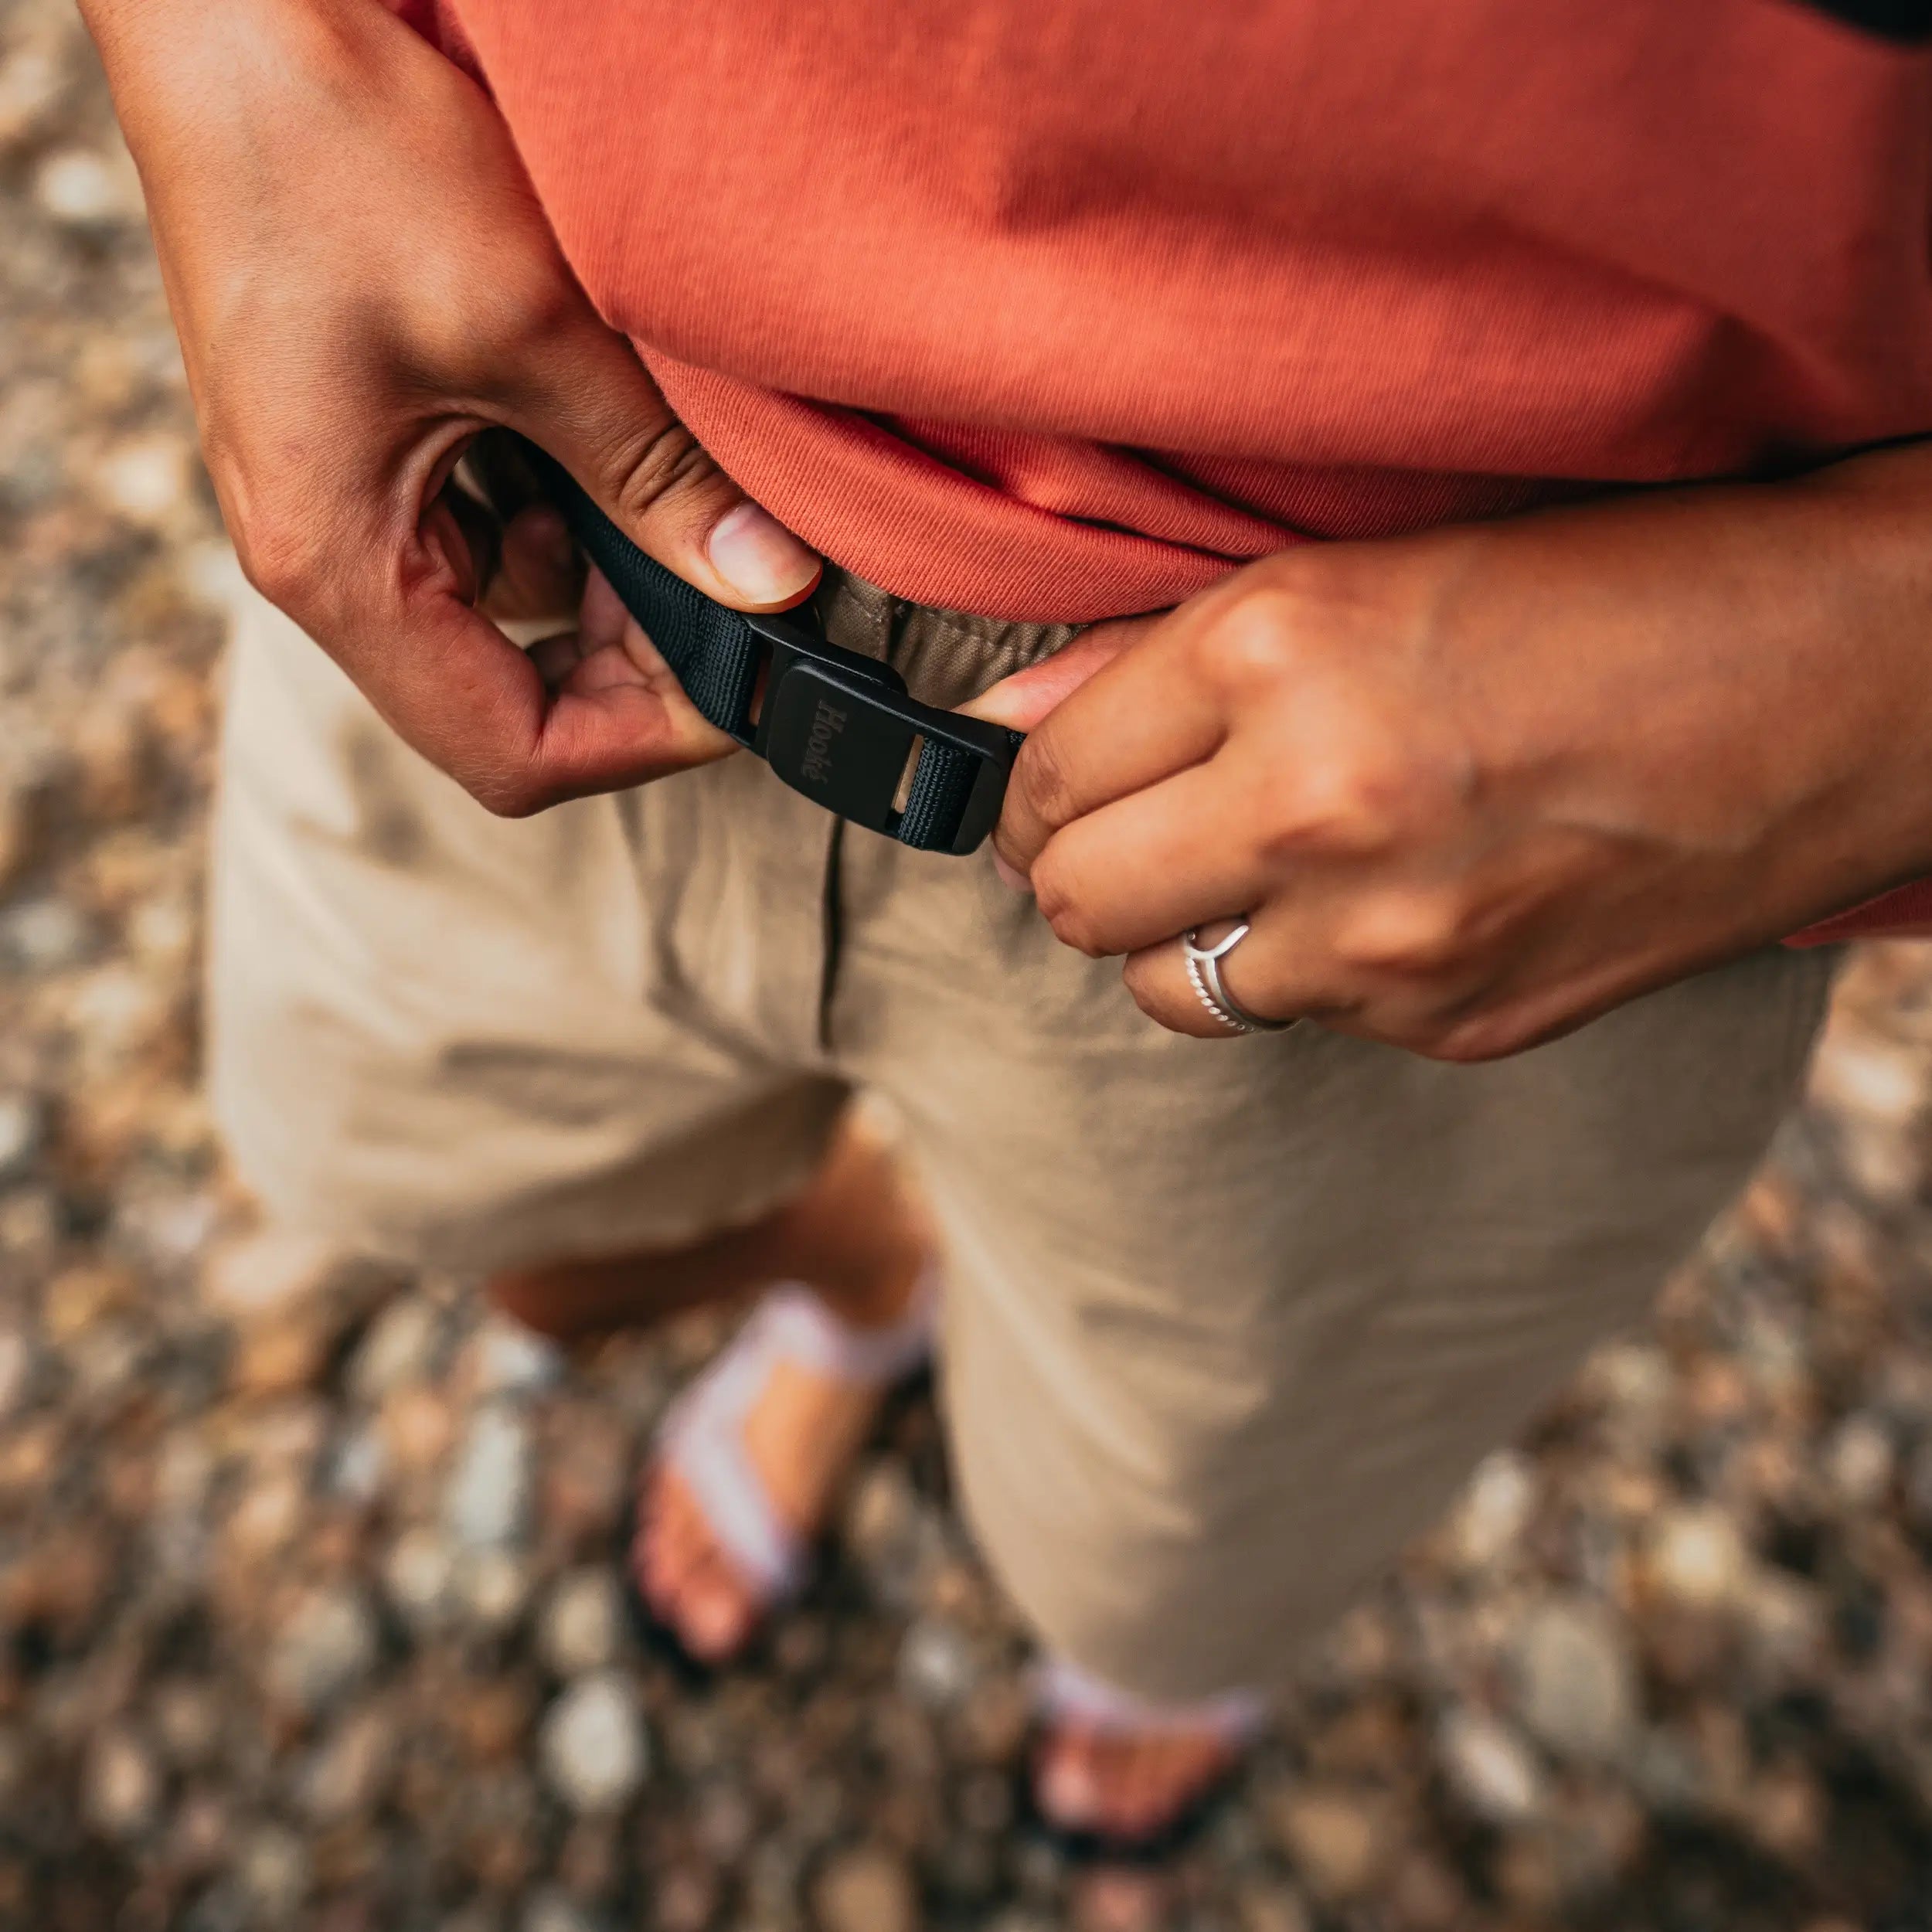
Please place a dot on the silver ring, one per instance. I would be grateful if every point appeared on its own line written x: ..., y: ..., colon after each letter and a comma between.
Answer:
x: 1204, y: 974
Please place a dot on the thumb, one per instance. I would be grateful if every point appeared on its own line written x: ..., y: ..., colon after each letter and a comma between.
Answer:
x: 1022, y: 700
x: 596, y: 409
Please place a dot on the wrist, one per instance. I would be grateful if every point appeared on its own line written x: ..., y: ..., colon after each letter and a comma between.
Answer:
x: 1866, y: 534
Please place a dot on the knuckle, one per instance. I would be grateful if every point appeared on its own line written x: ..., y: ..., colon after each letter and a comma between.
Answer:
x: 518, y: 319
x: 1469, y: 1039
x: 1354, y: 789
x: 1410, y: 934
x: 1060, y: 906
x: 1252, y: 644
x: 1041, y: 776
x: 283, y: 556
x: 506, y: 794
x: 1359, y: 796
x: 658, y: 464
x: 1141, y: 975
x: 537, y: 304
x: 1142, y: 978
x: 1074, y: 930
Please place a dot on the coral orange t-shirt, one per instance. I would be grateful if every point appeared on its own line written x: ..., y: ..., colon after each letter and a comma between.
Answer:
x: 1060, y: 309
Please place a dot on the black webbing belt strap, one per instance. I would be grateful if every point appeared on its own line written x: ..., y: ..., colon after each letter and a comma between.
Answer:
x: 837, y: 726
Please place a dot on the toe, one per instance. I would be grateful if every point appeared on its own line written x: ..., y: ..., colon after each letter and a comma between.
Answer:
x: 1151, y: 1797
x: 1122, y: 1787
x: 714, y: 1619
x: 1066, y: 1785
x: 1126, y: 1787
x: 661, y: 1549
x: 685, y: 1578
x: 1168, y: 1777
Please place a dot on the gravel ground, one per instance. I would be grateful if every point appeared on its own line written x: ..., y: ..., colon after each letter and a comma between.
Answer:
x: 307, y: 1616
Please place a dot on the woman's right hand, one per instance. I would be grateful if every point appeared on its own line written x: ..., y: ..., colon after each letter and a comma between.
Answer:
x: 363, y: 281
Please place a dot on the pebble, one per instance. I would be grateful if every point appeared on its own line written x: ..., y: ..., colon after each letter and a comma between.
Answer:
x: 1334, y: 1838
x: 494, y: 1585
x: 1494, y: 1510
x: 419, y: 1574
x: 1261, y: 1906
x: 1697, y: 1557
x: 1490, y: 1768
x: 279, y: 1357
x: 16, y: 1370
x: 275, y: 1874
x: 593, y: 1745
x: 1861, y: 1076
x: 551, y: 1911
x: 82, y: 189
x: 20, y: 1118
x: 30, y: 83
x: 348, y: 1773
x: 121, y: 1786
x: 199, y: 1833
x: 144, y: 479
x: 1576, y: 1680
x: 583, y: 1622
x: 865, y: 1888
x: 890, y: 1533
x: 188, y: 1721
x: 488, y: 1499
x: 1667, y: 1771
x: 1784, y: 1620
x: 417, y: 1426
x: 359, y: 1465
x: 268, y: 1516
x: 1858, y: 1461
x: 1119, y: 1898
x: 400, y: 1346
x: 936, y: 1667
x: 43, y: 935
x: 507, y: 1359
x: 326, y: 1647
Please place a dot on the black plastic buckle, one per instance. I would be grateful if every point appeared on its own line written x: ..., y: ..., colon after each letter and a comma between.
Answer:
x: 843, y: 729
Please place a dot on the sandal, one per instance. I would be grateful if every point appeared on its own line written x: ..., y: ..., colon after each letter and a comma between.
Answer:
x: 1065, y: 1695
x: 703, y: 1438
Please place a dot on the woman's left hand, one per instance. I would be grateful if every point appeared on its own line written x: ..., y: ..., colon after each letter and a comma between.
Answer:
x: 1473, y: 788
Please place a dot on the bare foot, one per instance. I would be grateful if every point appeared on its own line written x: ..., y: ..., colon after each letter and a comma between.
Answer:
x: 802, y: 1436
x: 1119, y: 1785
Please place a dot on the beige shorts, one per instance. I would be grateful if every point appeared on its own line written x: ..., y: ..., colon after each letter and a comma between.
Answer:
x: 1227, y: 1322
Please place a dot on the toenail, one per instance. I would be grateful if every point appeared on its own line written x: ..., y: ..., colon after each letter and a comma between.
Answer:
x: 715, y: 1623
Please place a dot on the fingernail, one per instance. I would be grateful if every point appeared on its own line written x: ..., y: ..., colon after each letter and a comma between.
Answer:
x: 759, y: 557
x: 1009, y: 877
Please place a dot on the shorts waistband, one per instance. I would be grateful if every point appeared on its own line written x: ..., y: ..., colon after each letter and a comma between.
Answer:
x: 946, y: 657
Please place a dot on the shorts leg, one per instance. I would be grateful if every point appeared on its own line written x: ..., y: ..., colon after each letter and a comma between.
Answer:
x: 1229, y: 1322
x: 446, y: 1036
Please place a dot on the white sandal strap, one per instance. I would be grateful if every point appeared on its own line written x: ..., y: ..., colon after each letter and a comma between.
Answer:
x: 802, y: 1329
x: 702, y: 1438
x: 1063, y: 1690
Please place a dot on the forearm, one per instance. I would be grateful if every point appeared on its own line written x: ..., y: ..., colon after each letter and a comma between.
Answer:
x: 1888, y: 495
x: 1793, y: 621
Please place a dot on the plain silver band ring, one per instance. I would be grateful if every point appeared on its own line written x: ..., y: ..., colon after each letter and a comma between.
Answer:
x: 1204, y: 974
